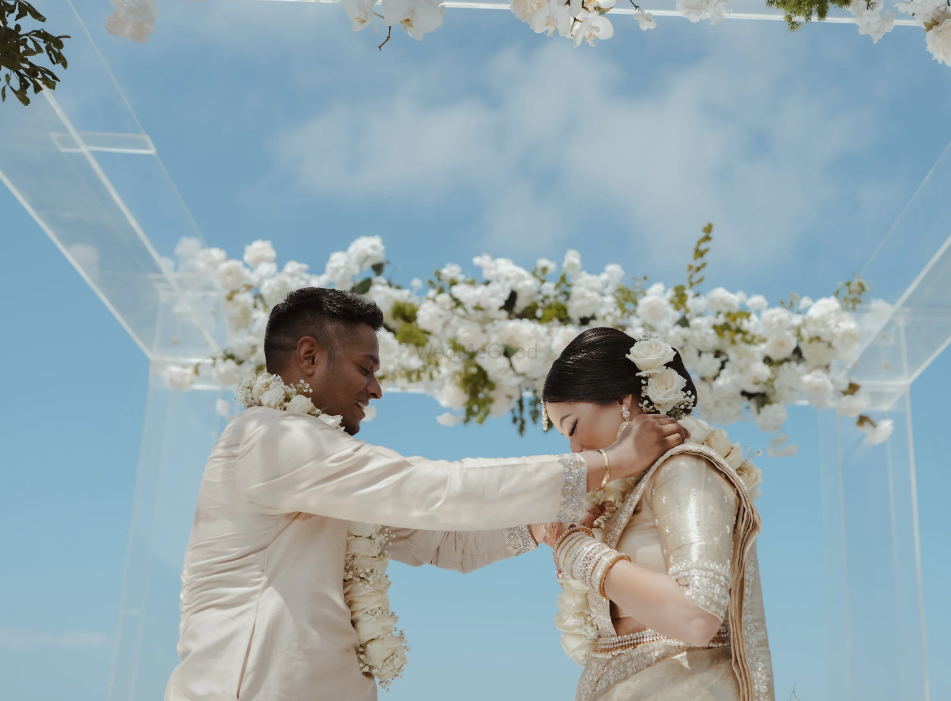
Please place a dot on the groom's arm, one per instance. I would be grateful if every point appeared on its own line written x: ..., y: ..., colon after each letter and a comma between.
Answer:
x: 463, y: 551
x: 292, y: 462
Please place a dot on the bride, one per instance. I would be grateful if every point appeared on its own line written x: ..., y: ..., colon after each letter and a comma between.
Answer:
x: 674, y: 607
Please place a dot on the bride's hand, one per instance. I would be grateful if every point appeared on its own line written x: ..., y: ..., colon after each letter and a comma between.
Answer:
x: 553, y: 531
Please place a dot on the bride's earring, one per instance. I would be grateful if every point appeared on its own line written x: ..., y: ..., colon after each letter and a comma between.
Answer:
x: 626, y: 415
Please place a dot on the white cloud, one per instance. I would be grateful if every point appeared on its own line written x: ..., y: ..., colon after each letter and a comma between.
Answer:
x: 556, y: 142
x: 18, y: 638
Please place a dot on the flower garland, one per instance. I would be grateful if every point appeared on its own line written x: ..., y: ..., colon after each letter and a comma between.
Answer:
x: 481, y: 346
x: 575, y: 619
x: 584, y: 21
x: 382, y: 650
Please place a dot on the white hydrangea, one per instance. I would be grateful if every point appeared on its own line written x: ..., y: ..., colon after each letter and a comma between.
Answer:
x: 572, y: 262
x: 771, y: 417
x: 585, y: 296
x: 818, y: 388
x: 259, y: 252
x: 720, y: 300
x: 340, y: 269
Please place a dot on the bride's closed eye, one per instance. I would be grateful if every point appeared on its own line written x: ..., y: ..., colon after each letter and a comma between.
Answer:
x: 573, y: 427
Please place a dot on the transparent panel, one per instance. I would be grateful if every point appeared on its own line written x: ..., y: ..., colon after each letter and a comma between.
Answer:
x: 79, y: 163
x: 873, y: 560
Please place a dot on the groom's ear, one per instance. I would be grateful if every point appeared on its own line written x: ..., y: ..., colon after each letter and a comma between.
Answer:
x: 310, y: 355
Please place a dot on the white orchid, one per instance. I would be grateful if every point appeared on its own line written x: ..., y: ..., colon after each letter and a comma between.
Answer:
x: 415, y: 17
x: 593, y: 28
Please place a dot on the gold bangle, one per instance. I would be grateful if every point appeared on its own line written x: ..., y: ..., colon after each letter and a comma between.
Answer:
x: 604, y: 575
x: 568, y: 532
x: 607, y: 469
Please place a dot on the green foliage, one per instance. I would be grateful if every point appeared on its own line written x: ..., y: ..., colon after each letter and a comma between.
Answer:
x: 680, y: 296
x: 850, y: 293
x: 805, y: 9
x: 627, y: 295
x: 410, y: 334
x: 18, y: 47
x: 404, y: 311
x: 735, y: 328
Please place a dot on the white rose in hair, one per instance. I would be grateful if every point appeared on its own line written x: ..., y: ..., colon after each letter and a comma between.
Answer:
x: 300, y: 404
x: 651, y: 355
x: 665, y: 389
x: 752, y: 478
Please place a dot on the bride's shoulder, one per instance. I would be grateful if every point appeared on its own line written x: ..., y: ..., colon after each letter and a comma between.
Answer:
x: 688, y: 460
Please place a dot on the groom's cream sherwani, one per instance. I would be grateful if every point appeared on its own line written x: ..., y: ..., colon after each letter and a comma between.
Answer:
x: 263, y: 613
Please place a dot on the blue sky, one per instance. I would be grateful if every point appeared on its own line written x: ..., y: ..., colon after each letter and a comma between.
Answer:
x: 276, y: 122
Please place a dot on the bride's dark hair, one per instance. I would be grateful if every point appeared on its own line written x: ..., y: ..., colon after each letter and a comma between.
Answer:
x: 594, y: 368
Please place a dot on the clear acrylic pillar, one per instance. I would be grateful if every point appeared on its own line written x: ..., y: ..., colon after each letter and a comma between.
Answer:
x: 180, y: 430
x: 873, y: 560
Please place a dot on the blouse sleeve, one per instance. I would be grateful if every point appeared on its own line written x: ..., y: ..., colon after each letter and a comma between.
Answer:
x: 695, y: 510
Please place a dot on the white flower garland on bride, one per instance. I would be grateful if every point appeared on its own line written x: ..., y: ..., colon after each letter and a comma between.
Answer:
x: 481, y: 346
x: 382, y: 650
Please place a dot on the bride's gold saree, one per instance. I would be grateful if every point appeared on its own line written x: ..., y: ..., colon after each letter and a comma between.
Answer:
x: 691, y: 517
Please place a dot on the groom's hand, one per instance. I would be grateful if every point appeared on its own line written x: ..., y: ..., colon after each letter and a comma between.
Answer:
x: 647, y: 438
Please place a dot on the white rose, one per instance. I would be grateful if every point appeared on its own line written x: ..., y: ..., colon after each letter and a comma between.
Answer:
x: 721, y: 300
x: 879, y: 433
x: 735, y: 457
x: 818, y: 388
x: 665, y: 389
x: 386, y: 655
x: 653, y: 310
x: 719, y: 441
x: 852, y: 404
x: 226, y: 372
x: 771, y: 417
x: 698, y: 429
x: 577, y: 646
x: 273, y: 397
x: 780, y: 346
x: 262, y: 383
x: 449, y: 419
x: 452, y: 396
x: 561, y: 337
x: 331, y: 420
x: 752, y: 478
x: 363, y: 530
x: 757, y: 303
x: 259, y: 252
x: 574, y: 596
x: 572, y: 262
x: 430, y: 317
x: 776, y: 320
x: 363, y: 546
x: 651, y: 355
x: 846, y: 336
x: 938, y: 40
x: 362, y: 597
x: 300, y: 404
x: 373, y: 627
x: 757, y: 373
x: 232, y: 275
x: 818, y: 352
x: 180, y: 378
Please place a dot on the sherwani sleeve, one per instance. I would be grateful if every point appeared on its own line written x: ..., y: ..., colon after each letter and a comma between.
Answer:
x: 463, y: 551
x: 297, y: 463
x: 695, y: 510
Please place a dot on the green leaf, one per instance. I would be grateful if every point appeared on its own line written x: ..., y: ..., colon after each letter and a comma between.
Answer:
x: 378, y: 268
x: 362, y: 287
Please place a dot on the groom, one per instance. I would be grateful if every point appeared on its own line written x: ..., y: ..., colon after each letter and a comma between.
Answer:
x: 263, y: 610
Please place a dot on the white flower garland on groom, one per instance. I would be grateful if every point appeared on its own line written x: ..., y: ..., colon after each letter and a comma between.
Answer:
x: 382, y: 649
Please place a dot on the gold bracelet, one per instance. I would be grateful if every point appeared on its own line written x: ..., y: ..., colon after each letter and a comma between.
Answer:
x: 610, y: 566
x: 607, y: 469
x: 568, y: 532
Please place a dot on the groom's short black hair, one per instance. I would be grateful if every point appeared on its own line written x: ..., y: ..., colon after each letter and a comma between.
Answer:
x: 325, y: 314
